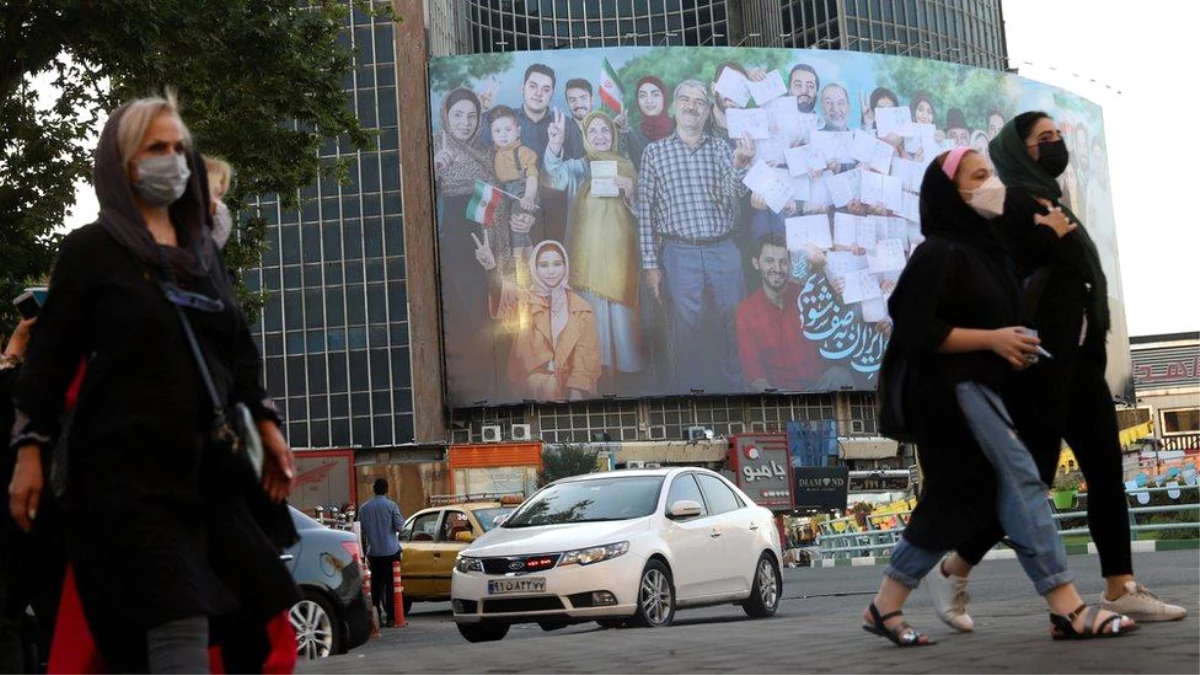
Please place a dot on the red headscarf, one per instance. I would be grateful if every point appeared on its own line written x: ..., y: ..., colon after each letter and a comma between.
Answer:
x: 660, y: 125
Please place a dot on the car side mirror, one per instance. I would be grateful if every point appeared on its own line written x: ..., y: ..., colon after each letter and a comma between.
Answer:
x: 465, y: 537
x: 499, y: 520
x: 684, y: 508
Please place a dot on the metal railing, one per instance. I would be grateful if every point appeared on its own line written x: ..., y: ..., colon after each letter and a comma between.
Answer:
x: 856, y: 541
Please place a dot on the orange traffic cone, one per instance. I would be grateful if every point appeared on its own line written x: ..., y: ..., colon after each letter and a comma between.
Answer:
x: 372, y: 611
x: 398, y: 589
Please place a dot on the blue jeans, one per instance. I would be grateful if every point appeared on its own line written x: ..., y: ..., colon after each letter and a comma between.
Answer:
x: 705, y: 285
x: 1020, y: 499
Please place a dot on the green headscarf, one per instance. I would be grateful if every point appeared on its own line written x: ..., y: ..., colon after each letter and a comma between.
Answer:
x: 1019, y: 171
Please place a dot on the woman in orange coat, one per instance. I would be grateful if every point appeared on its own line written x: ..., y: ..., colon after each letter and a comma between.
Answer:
x: 555, y: 354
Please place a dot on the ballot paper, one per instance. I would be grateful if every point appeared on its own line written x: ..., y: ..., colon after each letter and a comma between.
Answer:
x: 888, y: 256
x: 769, y: 89
x: 802, y: 188
x: 754, y: 121
x: 893, y: 194
x: 732, y: 85
x: 875, y: 309
x: 894, y: 121
x: 871, y: 188
x: 805, y: 230
x: 909, y: 172
x: 804, y: 159
x: 818, y: 194
x: 843, y: 187
x: 845, y: 229
x: 604, y: 179
x: 860, y: 285
x: 835, y: 144
x: 841, y: 263
x: 786, y: 119
x: 774, y: 185
x: 922, y: 134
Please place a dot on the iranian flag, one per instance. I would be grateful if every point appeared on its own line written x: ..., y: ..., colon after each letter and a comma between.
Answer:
x: 612, y: 97
x: 482, y: 207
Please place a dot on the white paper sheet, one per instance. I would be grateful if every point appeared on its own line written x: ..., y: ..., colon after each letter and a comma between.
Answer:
x: 754, y: 121
x: 871, y: 188
x: 874, y: 310
x: 843, y: 187
x: 804, y: 230
x: 860, y: 285
x: 802, y: 188
x: 845, y: 229
x: 841, y: 263
x: 835, y: 144
x: 769, y: 89
x: 818, y: 194
x: 881, y: 158
x: 893, y: 194
x: 774, y: 185
x: 802, y: 160
x: 732, y: 85
x: 888, y: 257
x: 896, y: 121
x: 864, y: 233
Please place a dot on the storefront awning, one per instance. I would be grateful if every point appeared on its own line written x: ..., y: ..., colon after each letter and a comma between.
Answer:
x: 671, y: 452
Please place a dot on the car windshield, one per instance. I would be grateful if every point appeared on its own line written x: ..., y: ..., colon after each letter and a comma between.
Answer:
x: 589, y: 501
x: 487, y: 517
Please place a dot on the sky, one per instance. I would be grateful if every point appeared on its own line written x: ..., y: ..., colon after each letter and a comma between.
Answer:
x: 1097, y: 49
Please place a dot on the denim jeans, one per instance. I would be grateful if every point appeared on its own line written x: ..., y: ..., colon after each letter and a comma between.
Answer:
x: 705, y: 285
x: 1020, y: 499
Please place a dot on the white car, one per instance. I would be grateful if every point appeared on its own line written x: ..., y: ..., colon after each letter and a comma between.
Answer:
x: 619, y: 547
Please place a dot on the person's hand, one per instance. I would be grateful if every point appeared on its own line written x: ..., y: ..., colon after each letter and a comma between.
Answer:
x: 25, y: 490
x: 521, y: 223
x: 816, y: 257
x: 483, y: 252
x: 653, y: 279
x: 487, y: 97
x: 884, y: 326
x: 744, y: 153
x: 1014, y: 345
x: 556, y: 132
x: 887, y: 287
x: 895, y: 140
x: 791, y: 208
x: 833, y: 165
x: 529, y: 202
x: 1056, y: 220
x: 279, y: 465
x: 624, y: 185
x: 20, y: 338
x: 838, y: 284
x: 621, y: 122
x: 757, y: 202
x: 574, y: 395
x: 442, y: 158
x: 756, y: 74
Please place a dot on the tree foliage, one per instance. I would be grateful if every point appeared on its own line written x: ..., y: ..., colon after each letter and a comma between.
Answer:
x: 463, y: 71
x: 260, y: 83
x: 975, y: 91
x: 566, y: 461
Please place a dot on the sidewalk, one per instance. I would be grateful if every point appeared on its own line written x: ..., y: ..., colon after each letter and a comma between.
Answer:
x: 1012, y: 636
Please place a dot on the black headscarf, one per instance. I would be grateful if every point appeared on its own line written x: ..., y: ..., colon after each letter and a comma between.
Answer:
x: 121, y: 218
x: 1020, y: 172
x: 945, y: 214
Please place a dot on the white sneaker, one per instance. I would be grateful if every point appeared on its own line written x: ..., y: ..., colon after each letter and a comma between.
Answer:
x: 950, y: 599
x: 1139, y: 604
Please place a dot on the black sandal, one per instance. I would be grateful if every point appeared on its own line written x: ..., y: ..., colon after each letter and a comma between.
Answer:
x: 1063, y: 627
x: 902, y: 635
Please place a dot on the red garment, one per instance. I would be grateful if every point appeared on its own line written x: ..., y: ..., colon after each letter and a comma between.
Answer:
x: 772, y: 345
x: 661, y: 125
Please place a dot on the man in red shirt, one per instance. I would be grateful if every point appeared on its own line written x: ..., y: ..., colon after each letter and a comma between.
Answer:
x: 775, y: 354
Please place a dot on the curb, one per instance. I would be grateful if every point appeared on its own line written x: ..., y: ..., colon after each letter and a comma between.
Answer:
x: 1010, y: 554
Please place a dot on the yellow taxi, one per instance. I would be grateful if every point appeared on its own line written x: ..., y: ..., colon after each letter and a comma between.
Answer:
x: 433, y: 537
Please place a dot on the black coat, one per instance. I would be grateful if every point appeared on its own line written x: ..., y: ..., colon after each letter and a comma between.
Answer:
x: 960, y: 277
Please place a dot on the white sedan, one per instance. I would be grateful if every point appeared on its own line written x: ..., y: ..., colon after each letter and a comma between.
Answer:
x: 619, y: 547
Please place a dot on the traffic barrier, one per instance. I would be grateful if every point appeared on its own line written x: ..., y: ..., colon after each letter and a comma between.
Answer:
x: 398, y: 589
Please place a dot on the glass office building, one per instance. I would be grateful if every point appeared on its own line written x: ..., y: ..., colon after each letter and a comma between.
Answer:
x: 334, y: 331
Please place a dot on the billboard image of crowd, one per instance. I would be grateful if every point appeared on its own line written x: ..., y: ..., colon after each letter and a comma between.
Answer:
x: 655, y: 221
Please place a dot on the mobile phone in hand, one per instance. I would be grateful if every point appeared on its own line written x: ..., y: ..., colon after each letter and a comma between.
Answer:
x: 29, y: 303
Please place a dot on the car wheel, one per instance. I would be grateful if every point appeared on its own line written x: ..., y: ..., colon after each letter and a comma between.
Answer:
x: 613, y: 623
x: 314, y: 621
x: 483, y: 632
x: 766, y: 591
x: 656, y: 596
x: 551, y: 625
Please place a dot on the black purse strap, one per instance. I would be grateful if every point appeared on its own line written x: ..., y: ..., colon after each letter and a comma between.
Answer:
x: 201, y: 362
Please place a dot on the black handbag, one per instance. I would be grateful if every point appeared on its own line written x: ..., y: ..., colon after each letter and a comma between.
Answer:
x: 895, y: 380
x: 234, y: 436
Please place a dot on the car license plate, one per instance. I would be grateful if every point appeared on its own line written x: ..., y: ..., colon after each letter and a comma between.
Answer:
x: 521, y: 585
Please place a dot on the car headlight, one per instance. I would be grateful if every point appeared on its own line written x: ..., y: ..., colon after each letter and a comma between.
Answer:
x: 587, y: 556
x: 465, y: 564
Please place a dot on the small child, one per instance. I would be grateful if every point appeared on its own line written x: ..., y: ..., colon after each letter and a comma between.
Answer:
x: 516, y: 167
x: 220, y: 175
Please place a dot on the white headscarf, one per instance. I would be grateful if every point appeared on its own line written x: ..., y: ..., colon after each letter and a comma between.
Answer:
x: 557, y: 295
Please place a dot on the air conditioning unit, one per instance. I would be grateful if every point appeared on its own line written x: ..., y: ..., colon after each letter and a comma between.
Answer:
x: 629, y: 433
x: 492, y: 433
x: 658, y: 432
x: 698, y: 433
x: 856, y: 426
x: 522, y: 432
x: 651, y: 465
x: 635, y: 464
x: 460, y: 436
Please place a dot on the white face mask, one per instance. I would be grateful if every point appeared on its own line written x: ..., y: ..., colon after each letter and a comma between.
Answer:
x: 988, y: 198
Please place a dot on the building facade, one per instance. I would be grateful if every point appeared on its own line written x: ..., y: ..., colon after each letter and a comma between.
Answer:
x: 350, y: 331
x: 1166, y: 374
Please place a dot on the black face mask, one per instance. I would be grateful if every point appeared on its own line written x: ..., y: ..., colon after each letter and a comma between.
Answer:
x: 1053, y: 157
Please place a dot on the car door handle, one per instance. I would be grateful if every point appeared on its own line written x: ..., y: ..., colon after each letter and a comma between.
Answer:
x: 287, y: 557
x: 714, y: 533
x: 754, y: 526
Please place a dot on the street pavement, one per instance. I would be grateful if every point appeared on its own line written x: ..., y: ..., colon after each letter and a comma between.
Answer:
x: 817, y: 630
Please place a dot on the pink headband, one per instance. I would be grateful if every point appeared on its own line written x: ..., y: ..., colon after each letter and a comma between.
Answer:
x: 953, y: 159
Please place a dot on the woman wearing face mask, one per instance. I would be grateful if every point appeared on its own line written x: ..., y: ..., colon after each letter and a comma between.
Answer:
x: 555, y: 354
x: 1066, y: 397
x: 603, y: 243
x: 957, y: 315
x: 189, y: 544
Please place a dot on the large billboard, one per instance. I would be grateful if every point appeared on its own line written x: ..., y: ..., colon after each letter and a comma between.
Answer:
x: 646, y: 221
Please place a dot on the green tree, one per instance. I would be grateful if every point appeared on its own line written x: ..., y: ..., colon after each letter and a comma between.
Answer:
x: 975, y: 91
x: 260, y: 82
x: 566, y: 461
x: 464, y: 71
x: 674, y: 65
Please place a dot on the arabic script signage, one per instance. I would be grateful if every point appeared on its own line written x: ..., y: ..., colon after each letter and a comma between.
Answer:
x: 762, y: 469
